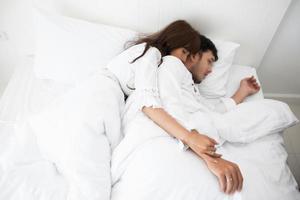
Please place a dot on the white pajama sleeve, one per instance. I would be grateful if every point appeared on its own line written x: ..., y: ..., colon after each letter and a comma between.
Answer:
x: 146, y: 86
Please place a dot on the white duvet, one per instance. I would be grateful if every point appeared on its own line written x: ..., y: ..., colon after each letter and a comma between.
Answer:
x: 62, y: 150
x: 149, y: 165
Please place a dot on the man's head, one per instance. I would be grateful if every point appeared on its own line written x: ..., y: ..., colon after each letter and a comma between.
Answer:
x: 200, y: 64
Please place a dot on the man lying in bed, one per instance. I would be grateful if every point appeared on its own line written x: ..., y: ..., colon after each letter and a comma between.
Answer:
x: 181, y: 98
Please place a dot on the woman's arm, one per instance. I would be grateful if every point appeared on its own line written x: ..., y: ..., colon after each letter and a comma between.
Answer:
x: 199, y: 143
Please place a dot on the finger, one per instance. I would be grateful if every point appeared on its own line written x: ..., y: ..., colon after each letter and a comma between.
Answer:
x: 254, y: 86
x: 213, y: 141
x: 210, y: 148
x: 254, y: 81
x: 217, y: 155
x: 250, y: 78
x: 222, y: 183
x: 240, y: 178
x: 213, y: 154
x: 258, y: 88
x: 229, y: 184
x: 235, y: 180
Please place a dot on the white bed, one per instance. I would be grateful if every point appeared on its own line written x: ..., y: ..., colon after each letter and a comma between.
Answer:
x: 32, y: 165
x: 25, y: 174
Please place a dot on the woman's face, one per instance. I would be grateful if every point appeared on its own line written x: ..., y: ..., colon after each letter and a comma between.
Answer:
x: 180, y: 53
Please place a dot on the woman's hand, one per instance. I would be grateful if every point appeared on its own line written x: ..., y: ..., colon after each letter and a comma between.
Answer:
x: 202, y: 144
x: 248, y: 86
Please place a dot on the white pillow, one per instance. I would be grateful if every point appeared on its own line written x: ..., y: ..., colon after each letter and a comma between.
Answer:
x: 255, y: 119
x: 69, y: 49
x: 236, y: 74
x: 214, y: 85
x: 78, y: 132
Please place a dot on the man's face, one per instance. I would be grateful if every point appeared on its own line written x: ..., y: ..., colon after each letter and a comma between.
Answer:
x: 202, y: 66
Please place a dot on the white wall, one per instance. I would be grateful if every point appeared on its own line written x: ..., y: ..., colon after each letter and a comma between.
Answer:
x: 230, y: 20
x: 279, y: 71
x: 279, y: 74
x: 292, y: 144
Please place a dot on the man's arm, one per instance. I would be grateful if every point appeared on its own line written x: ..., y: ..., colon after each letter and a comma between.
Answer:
x: 248, y: 86
x: 228, y: 173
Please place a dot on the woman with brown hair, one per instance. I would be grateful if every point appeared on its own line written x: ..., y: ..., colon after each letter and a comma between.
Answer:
x: 138, y: 65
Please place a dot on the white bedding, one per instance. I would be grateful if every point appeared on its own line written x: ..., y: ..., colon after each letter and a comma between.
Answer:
x: 157, y: 163
x: 92, y: 128
x: 158, y: 169
x: 149, y: 165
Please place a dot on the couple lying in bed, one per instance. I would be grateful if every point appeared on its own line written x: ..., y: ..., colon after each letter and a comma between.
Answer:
x: 164, y: 69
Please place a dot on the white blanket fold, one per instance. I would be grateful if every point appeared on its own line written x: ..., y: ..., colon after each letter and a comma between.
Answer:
x: 252, y: 120
x: 148, y: 164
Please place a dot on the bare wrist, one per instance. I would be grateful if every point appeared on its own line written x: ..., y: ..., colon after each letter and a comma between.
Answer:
x: 239, y: 96
x: 187, y: 137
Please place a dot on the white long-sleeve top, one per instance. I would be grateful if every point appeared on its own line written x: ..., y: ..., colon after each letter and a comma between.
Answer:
x: 138, y: 78
x: 180, y: 96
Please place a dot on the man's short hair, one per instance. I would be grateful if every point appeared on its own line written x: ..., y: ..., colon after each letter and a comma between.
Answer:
x: 208, y: 45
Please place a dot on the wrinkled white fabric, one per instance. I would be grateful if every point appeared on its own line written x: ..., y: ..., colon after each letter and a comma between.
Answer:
x: 149, y: 165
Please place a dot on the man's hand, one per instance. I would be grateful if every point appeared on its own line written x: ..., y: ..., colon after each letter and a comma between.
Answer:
x: 228, y: 173
x: 202, y: 144
x: 248, y: 86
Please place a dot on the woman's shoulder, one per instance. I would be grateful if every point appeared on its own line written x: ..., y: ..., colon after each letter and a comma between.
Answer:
x: 172, y: 65
x: 152, y: 54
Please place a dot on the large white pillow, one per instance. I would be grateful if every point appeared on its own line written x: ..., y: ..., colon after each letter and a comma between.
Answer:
x: 214, y: 85
x: 69, y: 49
x: 255, y: 119
x: 78, y: 132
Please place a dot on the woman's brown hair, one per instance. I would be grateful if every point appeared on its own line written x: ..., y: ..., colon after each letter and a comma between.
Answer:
x: 178, y: 34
